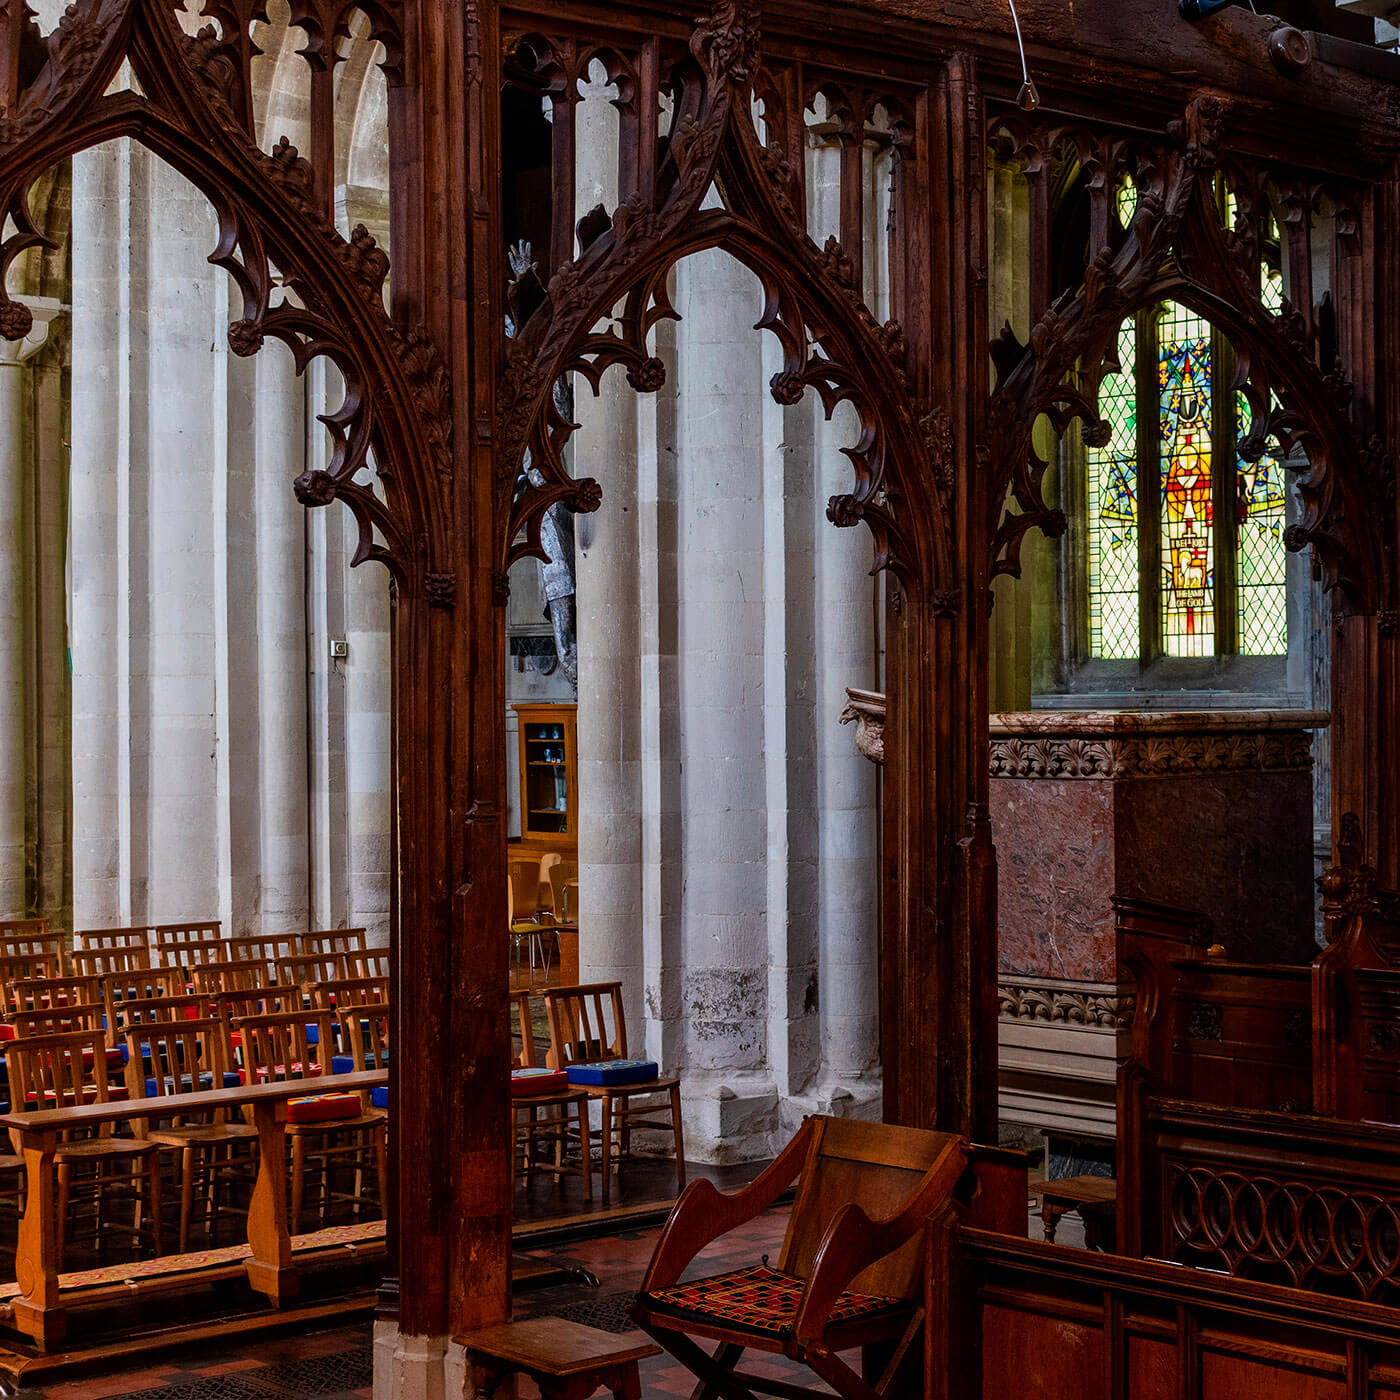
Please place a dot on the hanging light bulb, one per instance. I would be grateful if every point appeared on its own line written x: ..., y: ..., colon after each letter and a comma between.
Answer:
x: 1028, y: 99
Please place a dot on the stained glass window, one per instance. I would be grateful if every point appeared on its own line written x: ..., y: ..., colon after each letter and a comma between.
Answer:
x: 1196, y: 469
x: 1188, y: 494
x: 1113, y: 542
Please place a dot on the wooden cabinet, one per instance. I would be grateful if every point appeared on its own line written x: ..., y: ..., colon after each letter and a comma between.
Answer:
x: 548, y: 777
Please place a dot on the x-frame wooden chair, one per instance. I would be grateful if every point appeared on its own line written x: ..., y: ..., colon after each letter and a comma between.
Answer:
x: 850, y: 1275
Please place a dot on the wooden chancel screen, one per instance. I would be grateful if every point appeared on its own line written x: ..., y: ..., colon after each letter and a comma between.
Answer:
x: 711, y: 153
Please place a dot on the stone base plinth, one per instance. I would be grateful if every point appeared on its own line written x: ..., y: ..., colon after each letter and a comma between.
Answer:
x: 1206, y: 810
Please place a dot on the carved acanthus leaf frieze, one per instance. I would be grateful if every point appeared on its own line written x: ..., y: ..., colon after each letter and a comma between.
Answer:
x: 1039, y: 756
x: 1090, y: 1006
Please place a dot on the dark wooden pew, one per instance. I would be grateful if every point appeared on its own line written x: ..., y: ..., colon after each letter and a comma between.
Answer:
x: 1014, y: 1317
x: 1209, y: 1029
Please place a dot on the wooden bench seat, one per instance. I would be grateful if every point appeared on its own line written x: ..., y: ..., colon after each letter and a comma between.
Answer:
x: 566, y: 1360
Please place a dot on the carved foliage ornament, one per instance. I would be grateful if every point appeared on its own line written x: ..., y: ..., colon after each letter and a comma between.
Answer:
x: 600, y: 309
x: 190, y: 104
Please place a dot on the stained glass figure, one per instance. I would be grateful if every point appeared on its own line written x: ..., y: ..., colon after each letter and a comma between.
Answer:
x: 1261, y: 559
x: 1188, y: 497
x: 1112, y: 514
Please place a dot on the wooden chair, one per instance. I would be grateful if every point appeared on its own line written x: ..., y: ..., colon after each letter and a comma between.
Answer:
x: 184, y: 945
x: 587, y: 1025
x: 56, y: 1071
x: 121, y: 960
x: 30, y: 994
x: 305, y: 972
x: 528, y: 934
x: 544, y: 1120
x: 365, y: 962
x: 24, y: 967
x: 215, y: 978
x: 131, y: 1013
x: 278, y: 1047
x: 94, y: 940
x: 54, y: 1020
x: 27, y: 938
x: 331, y: 940
x: 174, y: 1056
x: 851, y: 1271
x: 266, y: 949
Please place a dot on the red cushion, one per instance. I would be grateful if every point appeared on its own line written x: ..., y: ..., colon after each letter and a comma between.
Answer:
x: 758, y: 1299
x: 531, y: 1083
x: 323, y: 1108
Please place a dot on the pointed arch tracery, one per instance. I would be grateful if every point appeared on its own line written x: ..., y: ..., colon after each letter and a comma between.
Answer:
x: 1180, y: 244
x: 191, y: 106
x: 830, y: 340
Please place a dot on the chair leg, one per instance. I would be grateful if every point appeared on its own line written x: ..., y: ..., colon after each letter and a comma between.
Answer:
x: 186, y: 1196
x: 605, y: 1103
x: 65, y: 1185
x: 381, y: 1165
x: 298, y: 1167
x: 678, y: 1132
x: 585, y: 1149
x: 153, y: 1183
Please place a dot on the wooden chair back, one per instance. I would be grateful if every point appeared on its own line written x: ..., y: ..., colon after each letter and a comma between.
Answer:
x: 23, y: 928
x: 54, y: 1020
x: 876, y: 1166
x: 265, y: 948
x: 120, y: 961
x: 305, y: 972
x: 61, y: 1071
x: 549, y: 863
x: 23, y: 967
x: 26, y: 995
x: 29, y: 938
x: 215, y: 978
x: 349, y: 991
x: 188, y: 945
x: 331, y: 940
x: 167, y: 1058
x: 586, y: 1024
x: 94, y: 940
x: 365, y: 962
x: 274, y: 1047
x: 362, y: 1032
x: 520, y: 1004
x: 259, y: 1001
x: 524, y: 892
x: 138, y: 1013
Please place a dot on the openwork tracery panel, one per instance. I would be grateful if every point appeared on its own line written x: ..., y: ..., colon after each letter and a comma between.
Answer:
x: 711, y: 153
x: 1181, y: 222
x: 298, y: 279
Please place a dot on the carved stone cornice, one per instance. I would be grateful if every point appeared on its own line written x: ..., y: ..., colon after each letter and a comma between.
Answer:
x: 1073, y: 1005
x: 1168, y: 755
x: 1123, y: 745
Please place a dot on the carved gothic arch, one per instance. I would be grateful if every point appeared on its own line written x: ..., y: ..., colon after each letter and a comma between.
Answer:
x: 830, y: 340
x: 1178, y: 248
x: 190, y: 108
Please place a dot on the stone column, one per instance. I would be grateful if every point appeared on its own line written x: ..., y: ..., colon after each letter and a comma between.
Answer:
x: 17, y: 464
x: 281, y: 773
x: 185, y: 474
x: 720, y: 648
x: 609, y: 636
x: 106, y: 545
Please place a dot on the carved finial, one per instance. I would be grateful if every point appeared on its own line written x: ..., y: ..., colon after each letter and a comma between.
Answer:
x: 1349, y: 886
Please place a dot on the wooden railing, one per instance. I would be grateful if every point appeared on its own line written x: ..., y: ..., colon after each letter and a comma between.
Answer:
x: 40, y: 1308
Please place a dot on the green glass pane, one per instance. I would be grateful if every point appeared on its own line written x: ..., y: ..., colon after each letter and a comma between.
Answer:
x: 1261, y: 558
x: 1112, y: 514
x: 1188, y: 505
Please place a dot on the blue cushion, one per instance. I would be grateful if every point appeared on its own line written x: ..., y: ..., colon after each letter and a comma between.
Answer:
x: 206, y: 1081
x: 379, y: 1096
x: 614, y: 1072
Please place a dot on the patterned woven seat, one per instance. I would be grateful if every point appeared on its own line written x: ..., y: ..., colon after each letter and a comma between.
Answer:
x: 759, y: 1299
